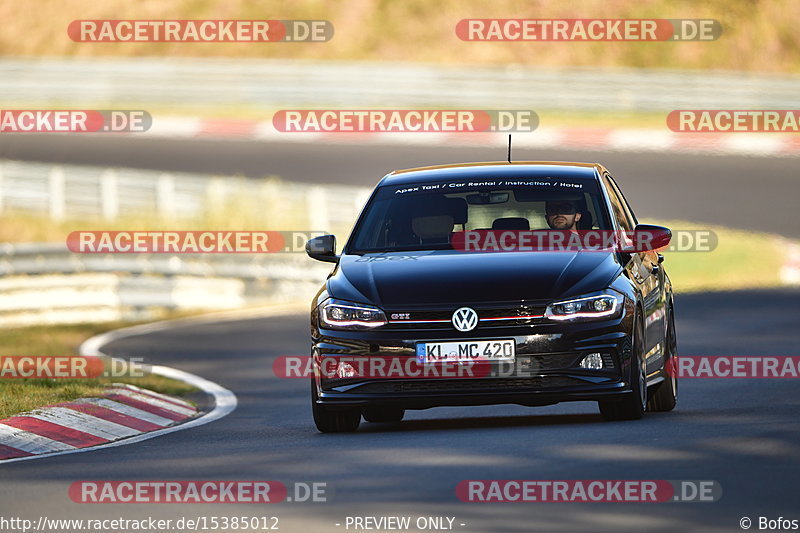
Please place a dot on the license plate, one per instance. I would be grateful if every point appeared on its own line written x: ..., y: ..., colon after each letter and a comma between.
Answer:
x: 466, y: 351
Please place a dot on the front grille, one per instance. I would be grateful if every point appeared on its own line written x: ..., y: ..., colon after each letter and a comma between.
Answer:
x: 524, y: 366
x: 488, y: 317
x: 468, y: 385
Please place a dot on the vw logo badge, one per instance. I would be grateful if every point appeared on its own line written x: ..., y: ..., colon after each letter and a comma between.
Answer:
x: 465, y: 319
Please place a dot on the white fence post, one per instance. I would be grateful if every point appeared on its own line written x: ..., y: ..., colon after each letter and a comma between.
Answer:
x: 2, y: 192
x: 57, y: 199
x: 276, y: 204
x: 216, y: 195
x: 165, y: 195
x: 359, y: 199
x: 318, y: 209
x: 109, y: 197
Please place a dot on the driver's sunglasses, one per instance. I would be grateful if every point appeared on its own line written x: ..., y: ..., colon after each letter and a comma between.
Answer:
x: 560, y: 209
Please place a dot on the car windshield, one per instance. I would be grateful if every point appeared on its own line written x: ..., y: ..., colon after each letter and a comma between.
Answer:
x: 425, y: 216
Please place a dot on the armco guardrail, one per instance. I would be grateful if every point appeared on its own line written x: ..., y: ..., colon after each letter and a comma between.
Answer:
x: 85, y: 192
x: 270, y: 84
x: 47, y: 284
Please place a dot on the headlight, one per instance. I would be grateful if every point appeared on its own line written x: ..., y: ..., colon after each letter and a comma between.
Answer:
x: 605, y: 304
x: 339, y: 314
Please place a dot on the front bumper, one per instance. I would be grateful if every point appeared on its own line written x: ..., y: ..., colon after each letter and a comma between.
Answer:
x: 546, y: 370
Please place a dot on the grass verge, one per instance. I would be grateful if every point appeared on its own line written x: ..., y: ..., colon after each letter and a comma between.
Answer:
x: 741, y: 259
x: 19, y: 395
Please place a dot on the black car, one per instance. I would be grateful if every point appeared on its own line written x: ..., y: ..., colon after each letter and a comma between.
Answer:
x: 549, y: 325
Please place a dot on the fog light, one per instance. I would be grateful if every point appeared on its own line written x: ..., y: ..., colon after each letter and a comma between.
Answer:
x: 601, y: 305
x: 345, y: 370
x: 593, y: 361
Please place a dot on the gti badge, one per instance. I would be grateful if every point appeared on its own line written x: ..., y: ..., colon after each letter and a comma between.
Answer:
x: 465, y: 319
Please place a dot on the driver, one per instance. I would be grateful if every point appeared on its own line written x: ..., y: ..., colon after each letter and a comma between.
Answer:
x: 562, y: 215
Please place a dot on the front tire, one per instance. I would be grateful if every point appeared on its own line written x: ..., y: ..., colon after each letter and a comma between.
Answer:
x: 665, y: 395
x: 333, y: 421
x: 632, y: 406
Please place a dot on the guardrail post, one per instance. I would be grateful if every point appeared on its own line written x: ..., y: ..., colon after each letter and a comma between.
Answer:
x: 216, y: 195
x: 57, y: 198
x: 359, y: 199
x: 318, y: 209
x: 109, y: 198
x: 2, y: 193
x: 165, y: 195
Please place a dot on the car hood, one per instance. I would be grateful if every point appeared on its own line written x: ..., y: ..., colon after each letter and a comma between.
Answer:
x: 447, y: 277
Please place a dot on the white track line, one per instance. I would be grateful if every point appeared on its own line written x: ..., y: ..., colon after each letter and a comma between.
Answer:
x: 91, y: 347
x: 224, y: 400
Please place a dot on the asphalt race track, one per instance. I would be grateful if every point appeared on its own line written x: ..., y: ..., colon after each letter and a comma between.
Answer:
x: 758, y: 193
x: 744, y: 434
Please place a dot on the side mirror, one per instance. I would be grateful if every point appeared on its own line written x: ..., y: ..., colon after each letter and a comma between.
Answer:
x: 648, y: 237
x: 322, y: 248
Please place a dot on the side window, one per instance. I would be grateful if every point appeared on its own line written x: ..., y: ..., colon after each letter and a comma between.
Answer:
x: 617, y: 206
x: 624, y: 200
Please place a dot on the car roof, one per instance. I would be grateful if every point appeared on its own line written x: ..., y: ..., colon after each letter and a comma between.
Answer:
x: 495, y: 169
